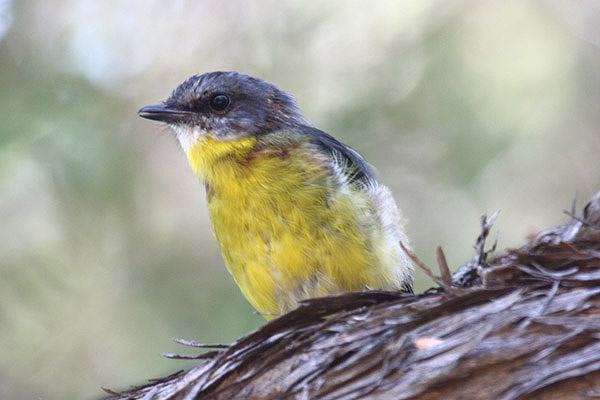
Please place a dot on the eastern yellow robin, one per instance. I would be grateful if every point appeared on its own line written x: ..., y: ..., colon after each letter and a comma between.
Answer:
x: 296, y: 213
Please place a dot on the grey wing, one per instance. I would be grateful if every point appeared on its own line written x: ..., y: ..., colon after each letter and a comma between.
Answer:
x: 353, y: 164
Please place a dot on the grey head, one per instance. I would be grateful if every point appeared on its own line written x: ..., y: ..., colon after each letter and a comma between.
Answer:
x: 227, y: 105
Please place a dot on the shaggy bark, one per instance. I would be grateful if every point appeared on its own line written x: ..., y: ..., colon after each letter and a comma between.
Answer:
x: 524, y: 325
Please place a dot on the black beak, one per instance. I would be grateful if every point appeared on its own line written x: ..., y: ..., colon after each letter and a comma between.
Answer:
x: 163, y: 113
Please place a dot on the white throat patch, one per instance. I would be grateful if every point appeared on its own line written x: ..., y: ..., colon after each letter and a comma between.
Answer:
x: 188, y: 136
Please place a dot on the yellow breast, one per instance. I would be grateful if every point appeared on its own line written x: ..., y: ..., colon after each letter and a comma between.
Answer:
x: 287, y: 226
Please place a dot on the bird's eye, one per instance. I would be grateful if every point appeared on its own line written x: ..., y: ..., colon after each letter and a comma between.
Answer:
x: 219, y: 102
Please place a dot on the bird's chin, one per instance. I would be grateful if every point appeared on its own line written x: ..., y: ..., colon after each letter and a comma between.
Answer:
x: 188, y: 136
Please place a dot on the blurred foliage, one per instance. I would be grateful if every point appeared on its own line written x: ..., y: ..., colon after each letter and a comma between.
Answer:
x: 464, y: 107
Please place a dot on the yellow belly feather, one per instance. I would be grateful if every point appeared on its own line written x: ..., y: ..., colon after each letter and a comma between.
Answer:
x: 285, y: 230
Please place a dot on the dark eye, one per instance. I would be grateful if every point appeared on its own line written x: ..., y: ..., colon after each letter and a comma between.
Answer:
x: 219, y: 102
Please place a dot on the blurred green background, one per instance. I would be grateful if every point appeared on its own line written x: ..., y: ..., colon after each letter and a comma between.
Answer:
x: 106, y: 253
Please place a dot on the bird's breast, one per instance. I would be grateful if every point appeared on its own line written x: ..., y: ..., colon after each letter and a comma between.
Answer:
x: 286, y: 228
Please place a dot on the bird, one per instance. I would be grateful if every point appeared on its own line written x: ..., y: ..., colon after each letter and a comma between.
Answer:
x: 296, y: 213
